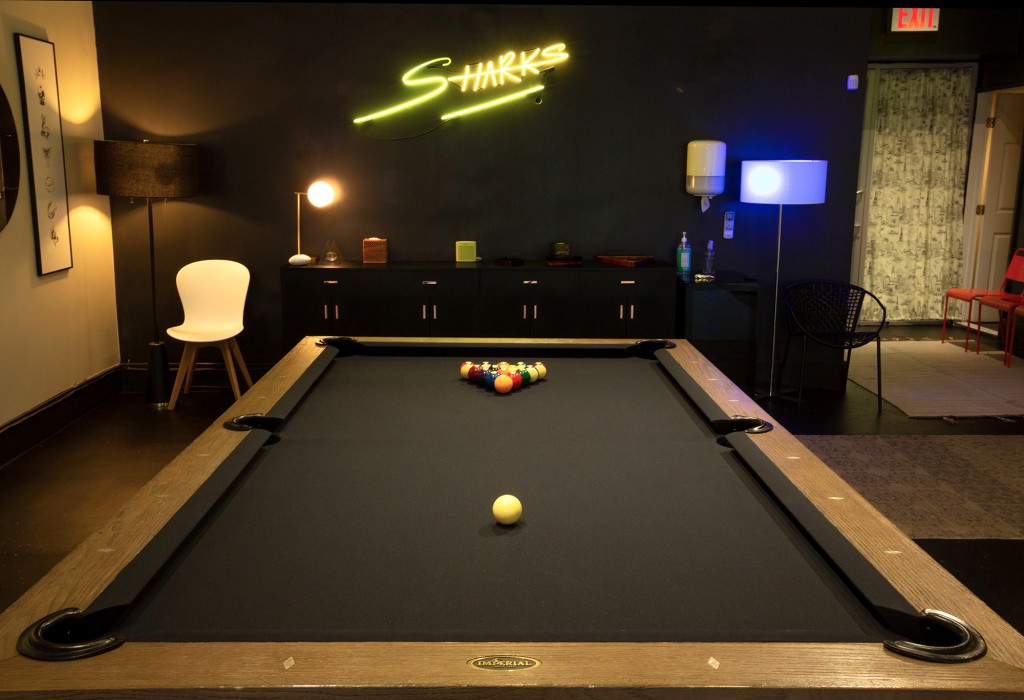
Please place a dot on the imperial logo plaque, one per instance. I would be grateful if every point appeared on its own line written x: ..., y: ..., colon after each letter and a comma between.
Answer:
x: 504, y: 663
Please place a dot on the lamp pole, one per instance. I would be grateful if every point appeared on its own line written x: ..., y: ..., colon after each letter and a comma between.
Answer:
x: 775, y: 318
x: 146, y: 169
x: 158, y: 375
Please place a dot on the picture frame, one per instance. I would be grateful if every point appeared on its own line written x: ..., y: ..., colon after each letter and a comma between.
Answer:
x: 44, y: 146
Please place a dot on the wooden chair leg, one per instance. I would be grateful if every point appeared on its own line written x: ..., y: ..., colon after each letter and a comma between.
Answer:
x: 190, y: 370
x: 225, y: 351
x: 188, y: 359
x: 237, y: 352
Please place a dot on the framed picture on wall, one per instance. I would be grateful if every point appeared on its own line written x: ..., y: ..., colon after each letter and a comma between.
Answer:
x: 44, y: 144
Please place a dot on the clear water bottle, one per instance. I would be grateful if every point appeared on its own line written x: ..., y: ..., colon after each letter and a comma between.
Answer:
x: 709, y: 260
x: 683, y: 258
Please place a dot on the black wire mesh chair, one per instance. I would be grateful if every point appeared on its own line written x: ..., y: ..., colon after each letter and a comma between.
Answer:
x: 829, y: 313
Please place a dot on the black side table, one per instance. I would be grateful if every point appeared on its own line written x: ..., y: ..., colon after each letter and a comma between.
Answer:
x: 720, y: 319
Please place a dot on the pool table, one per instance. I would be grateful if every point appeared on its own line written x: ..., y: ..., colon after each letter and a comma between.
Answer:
x: 331, y: 535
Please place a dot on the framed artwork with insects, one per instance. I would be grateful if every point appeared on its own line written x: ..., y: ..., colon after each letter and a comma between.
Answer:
x: 44, y: 144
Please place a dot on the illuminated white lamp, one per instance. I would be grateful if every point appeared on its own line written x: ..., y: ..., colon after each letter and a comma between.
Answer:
x: 782, y: 182
x: 319, y: 194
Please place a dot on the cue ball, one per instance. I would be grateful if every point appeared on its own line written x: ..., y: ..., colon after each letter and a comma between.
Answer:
x: 507, y: 509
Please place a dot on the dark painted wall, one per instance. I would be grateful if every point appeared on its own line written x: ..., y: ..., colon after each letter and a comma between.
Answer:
x: 965, y: 34
x: 269, y: 91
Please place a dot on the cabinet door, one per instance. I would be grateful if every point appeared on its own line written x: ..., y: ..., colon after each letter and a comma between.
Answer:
x: 629, y: 303
x: 720, y: 319
x: 529, y: 303
x: 429, y: 303
x: 303, y: 306
x: 328, y: 301
x: 649, y: 316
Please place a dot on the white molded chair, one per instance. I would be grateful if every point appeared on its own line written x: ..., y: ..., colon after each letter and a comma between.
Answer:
x: 213, y: 296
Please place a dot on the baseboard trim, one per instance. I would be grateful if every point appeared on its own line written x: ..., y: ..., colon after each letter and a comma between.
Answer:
x: 27, y: 431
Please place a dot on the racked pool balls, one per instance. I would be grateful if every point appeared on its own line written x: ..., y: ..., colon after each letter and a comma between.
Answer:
x: 503, y: 377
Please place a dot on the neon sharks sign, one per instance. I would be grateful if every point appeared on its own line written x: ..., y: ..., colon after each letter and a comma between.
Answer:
x: 512, y: 76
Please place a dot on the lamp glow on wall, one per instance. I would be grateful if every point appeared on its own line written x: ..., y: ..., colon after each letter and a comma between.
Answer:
x: 153, y: 171
x: 782, y: 182
x: 320, y: 194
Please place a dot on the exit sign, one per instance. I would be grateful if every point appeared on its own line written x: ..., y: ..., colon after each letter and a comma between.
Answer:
x: 915, y: 19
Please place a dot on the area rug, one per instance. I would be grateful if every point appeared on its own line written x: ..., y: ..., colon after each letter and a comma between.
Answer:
x: 959, y: 497
x: 931, y: 379
x: 935, y: 486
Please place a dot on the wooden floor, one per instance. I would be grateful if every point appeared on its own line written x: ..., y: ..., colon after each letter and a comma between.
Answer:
x: 57, y: 493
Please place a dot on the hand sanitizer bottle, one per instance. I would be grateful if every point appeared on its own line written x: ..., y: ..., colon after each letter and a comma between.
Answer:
x: 709, y: 260
x: 683, y: 258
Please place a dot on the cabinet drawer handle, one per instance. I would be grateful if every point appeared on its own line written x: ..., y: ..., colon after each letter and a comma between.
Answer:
x: 330, y: 281
x: 429, y: 282
x: 627, y: 281
x: 530, y: 282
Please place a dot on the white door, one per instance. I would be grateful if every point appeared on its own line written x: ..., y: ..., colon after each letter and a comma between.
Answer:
x: 992, y: 184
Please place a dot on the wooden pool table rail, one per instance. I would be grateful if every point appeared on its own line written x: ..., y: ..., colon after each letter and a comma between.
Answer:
x: 567, y: 670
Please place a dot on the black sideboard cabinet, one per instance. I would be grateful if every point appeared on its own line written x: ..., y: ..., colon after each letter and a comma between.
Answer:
x: 720, y: 319
x: 422, y: 299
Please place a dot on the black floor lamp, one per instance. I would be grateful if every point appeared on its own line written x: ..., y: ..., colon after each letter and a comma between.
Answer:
x: 154, y: 171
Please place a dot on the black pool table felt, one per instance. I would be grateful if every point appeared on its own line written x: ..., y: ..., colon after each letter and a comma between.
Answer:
x: 370, y: 520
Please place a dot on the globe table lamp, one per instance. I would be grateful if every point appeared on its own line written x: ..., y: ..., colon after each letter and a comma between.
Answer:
x: 319, y: 194
x: 150, y: 170
x: 782, y: 182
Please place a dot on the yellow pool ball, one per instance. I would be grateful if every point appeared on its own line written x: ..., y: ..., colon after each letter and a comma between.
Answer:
x: 507, y: 509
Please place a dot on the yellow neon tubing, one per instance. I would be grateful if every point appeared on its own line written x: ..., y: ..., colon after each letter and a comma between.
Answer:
x: 407, y: 79
x: 492, y: 103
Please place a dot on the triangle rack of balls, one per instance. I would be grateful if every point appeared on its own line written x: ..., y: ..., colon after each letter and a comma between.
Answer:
x: 503, y: 377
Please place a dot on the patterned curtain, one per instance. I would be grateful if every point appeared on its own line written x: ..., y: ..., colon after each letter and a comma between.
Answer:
x: 914, y: 228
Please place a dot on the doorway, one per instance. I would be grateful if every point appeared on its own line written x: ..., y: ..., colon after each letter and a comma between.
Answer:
x: 992, y: 188
x: 982, y: 240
